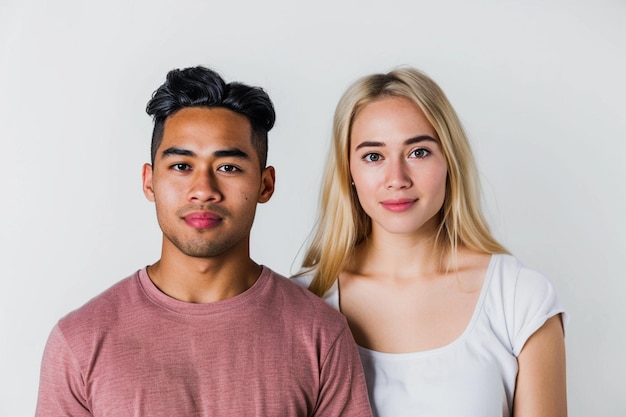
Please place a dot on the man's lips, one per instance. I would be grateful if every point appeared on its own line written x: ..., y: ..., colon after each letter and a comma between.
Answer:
x: 398, y: 205
x: 202, y: 219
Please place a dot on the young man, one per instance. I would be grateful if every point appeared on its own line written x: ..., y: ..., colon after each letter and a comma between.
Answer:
x: 205, y: 331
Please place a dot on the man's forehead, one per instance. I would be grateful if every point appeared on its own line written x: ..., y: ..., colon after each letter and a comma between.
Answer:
x: 215, y: 114
x: 206, y: 125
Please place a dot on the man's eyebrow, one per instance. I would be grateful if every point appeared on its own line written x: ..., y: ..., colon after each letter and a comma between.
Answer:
x: 231, y: 153
x: 223, y: 153
x: 177, y: 151
x: 410, y: 141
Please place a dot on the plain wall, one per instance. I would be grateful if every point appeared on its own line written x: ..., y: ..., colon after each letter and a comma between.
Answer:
x: 539, y: 85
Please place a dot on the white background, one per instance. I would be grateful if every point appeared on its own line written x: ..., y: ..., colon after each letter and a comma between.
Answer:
x: 539, y: 85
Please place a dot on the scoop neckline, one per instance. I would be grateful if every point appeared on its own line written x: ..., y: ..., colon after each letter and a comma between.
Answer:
x: 468, y: 329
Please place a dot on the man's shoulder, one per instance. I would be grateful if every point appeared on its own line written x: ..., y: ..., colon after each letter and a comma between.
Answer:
x: 307, y: 304
x: 102, y: 308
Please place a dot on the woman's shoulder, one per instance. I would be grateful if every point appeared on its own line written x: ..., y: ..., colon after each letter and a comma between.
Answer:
x: 515, y: 276
x: 526, y: 296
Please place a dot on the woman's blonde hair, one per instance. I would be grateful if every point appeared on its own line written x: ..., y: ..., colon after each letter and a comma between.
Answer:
x: 342, y: 222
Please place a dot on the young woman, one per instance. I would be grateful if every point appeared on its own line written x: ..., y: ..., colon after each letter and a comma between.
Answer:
x: 447, y: 322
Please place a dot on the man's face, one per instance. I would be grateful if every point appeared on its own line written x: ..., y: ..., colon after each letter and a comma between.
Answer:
x: 206, y: 182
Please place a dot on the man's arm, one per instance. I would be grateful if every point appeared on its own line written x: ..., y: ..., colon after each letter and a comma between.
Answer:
x: 61, y: 387
x: 343, y: 390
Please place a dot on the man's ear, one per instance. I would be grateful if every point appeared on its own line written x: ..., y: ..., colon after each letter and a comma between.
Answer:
x: 146, y: 176
x: 268, y: 179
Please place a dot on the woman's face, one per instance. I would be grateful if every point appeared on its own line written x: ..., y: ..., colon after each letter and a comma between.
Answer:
x: 398, y: 167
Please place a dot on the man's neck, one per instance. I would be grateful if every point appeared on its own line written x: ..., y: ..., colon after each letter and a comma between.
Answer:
x: 203, y: 280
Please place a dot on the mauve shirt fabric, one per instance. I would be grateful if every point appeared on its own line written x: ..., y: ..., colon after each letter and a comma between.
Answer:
x: 274, y: 350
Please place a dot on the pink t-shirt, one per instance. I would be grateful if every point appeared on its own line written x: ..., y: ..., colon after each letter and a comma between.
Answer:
x: 274, y: 350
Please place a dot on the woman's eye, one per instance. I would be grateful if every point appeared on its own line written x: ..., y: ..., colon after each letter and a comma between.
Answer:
x: 372, y: 157
x: 228, y: 168
x: 420, y: 153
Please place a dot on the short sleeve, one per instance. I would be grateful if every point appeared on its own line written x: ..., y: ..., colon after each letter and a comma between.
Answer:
x: 61, y: 387
x: 343, y: 391
x: 535, y: 301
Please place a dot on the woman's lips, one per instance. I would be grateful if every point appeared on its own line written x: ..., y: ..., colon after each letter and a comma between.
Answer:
x: 398, y: 205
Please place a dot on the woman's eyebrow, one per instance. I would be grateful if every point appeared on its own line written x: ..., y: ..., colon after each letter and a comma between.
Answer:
x: 410, y: 141
x: 369, y: 144
x: 420, y: 138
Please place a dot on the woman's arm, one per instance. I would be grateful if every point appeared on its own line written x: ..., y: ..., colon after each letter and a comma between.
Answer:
x: 540, y: 389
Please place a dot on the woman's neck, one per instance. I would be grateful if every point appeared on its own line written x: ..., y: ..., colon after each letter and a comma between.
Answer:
x: 397, y: 256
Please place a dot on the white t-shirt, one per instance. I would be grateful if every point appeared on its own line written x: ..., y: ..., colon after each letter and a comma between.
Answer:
x: 475, y: 374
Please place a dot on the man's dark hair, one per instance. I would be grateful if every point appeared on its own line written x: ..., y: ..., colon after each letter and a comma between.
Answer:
x: 202, y: 87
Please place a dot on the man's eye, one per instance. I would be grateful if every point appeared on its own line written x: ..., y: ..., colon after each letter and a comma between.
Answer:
x: 181, y: 167
x: 420, y: 153
x: 228, y: 168
x: 372, y: 157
